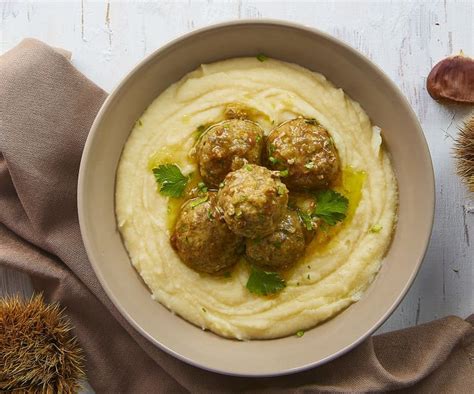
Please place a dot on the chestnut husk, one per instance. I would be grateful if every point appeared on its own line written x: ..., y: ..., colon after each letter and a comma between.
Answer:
x: 463, y: 151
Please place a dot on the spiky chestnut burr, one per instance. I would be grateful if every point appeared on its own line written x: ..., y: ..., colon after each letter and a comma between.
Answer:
x: 464, y: 152
x: 38, y: 351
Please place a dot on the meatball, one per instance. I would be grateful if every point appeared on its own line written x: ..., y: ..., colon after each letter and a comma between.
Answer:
x: 252, y: 200
x: 226, y: 147
x: 282, y: 248
x: 305, y: 152
x: 202, y: 239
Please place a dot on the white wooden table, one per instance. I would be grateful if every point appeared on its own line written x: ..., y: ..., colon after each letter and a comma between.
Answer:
x: 404, y: 38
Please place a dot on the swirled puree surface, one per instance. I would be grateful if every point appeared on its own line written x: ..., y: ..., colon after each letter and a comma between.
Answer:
x: 339, y: 263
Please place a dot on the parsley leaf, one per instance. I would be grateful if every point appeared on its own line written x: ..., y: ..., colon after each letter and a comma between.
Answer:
x: 171, y: 180
x: 264, y: 283
x: 261, y: 57
x: 331, y: 207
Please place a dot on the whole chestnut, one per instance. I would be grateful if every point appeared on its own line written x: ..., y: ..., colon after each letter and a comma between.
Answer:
x: 452, y: 79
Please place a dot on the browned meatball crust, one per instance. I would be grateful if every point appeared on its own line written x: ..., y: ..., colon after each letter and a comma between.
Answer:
x: 303, y: 148
x: 252, y: 200
x: 226, y: 147
x: 282, y: 248
x: 202, y: 239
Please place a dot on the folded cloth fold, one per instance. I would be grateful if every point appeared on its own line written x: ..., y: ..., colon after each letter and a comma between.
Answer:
x: 46, y: 110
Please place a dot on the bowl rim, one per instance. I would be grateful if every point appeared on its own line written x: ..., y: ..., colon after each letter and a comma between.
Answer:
x: 148, y: 59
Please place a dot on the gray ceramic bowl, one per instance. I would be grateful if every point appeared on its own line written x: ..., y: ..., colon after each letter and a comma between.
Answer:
x: 347, y: 69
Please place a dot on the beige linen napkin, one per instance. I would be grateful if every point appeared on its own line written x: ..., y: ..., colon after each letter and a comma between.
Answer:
x: 46, y: 110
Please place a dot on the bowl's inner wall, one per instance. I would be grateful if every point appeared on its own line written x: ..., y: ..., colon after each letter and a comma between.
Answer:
x: 345, y: 68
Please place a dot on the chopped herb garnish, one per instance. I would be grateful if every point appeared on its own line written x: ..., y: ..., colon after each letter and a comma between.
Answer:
x: 204, y: 309
x: 273, y: 160
x: 258, y: 138
x: 264, y: 283
x: 202, y: 187
x: 309, y: 165
x: 221, y: 185
x: 210, y: 216
x: 227, y: 274
x: 271, y: 149
x: 261, y: 57
x: 376, y: 228
x: 140, y: 123
x: 331, y: 207
x: 300, y: 333
x: 311, y: 121
x: 284, y: 173
x: 281, y: 190
x: 306, y: 219
x: 171, y: 180
x: 248, y: 167
x: 297, y: 283
x: 308, y: 277
x: 198, y: 201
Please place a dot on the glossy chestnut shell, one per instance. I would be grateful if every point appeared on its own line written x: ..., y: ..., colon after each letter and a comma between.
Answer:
x: 452, y: 79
